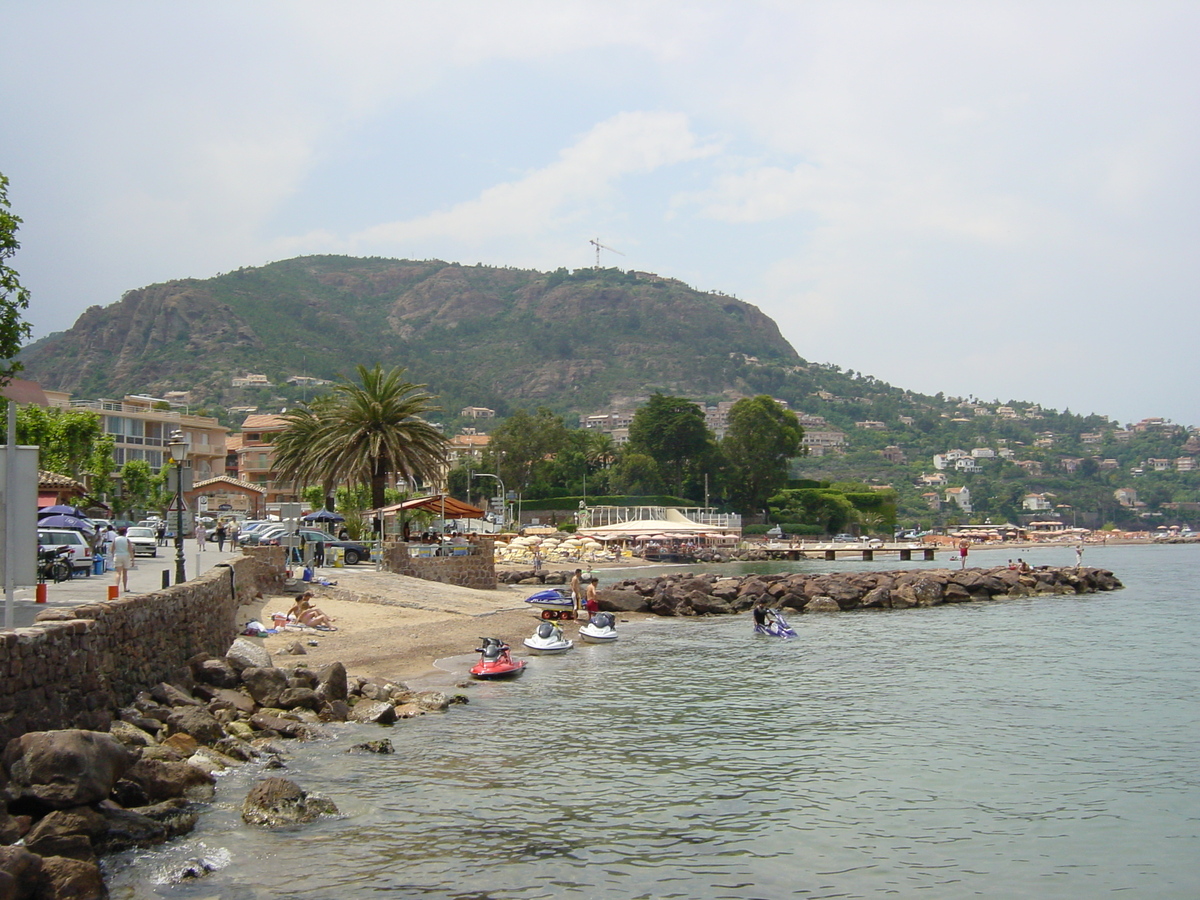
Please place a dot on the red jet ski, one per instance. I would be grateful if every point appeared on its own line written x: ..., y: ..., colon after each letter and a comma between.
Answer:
x: 495, y: 661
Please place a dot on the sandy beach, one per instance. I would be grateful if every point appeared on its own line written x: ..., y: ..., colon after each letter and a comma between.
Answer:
x: 397, y: 627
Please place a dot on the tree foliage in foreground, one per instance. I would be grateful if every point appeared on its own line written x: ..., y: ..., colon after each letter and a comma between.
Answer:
x: 13, y: 297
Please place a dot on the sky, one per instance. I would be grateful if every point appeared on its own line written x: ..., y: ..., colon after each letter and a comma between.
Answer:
x: 994, y: 200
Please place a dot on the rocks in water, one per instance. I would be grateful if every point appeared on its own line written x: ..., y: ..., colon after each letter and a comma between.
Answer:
x: 64, y: 769
x: 275, y: 802
x: 383, y: 746
x: 689, y: 595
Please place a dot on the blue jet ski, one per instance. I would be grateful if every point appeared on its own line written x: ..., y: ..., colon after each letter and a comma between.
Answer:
x: 776, y: 626
x: 555, y: 603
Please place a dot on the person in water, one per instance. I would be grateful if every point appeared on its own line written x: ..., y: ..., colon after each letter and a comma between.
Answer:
x: 762, y: 615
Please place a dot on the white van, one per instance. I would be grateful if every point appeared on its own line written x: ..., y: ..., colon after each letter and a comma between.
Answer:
x: 81, y: 550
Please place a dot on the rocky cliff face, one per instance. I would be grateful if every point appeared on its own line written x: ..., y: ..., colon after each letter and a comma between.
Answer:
x: 476, y: 333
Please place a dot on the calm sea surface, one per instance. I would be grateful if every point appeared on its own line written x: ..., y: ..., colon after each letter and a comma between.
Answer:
x: 1042, y: 748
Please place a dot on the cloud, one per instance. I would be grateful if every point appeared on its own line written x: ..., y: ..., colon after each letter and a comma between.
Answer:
x: 586, y: 173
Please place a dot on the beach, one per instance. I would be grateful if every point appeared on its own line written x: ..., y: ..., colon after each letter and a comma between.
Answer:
x: 397, y: 627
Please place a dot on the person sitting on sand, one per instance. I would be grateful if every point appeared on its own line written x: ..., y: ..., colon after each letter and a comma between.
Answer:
x: 307, y: 614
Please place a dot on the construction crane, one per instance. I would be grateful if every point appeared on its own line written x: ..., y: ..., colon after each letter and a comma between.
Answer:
x: 595, y: 242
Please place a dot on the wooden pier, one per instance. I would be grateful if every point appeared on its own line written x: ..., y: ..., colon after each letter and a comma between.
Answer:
x: 832, y: 552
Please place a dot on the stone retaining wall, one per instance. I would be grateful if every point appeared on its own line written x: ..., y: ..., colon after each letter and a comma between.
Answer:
x: 76, y: 666
x: 477, y: 569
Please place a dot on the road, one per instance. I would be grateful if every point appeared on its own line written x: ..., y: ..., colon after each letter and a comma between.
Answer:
x: 145, y: 578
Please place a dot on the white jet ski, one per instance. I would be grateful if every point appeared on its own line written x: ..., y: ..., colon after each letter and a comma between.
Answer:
x: 548, y: 639
x: 601, y: 629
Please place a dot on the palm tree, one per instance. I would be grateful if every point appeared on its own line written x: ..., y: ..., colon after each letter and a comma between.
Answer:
x: 374, y: 427
x: 295, y: 458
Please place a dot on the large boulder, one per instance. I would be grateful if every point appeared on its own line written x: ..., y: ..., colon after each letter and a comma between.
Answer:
x: 331, y: 682
x: 215, y: 672
x: 161, y: 779
x: 62, y: 769
x: 24, y: 869
x: 244, y: 654
x: 276, y: 802
x: 265, y: 684
x: 380, y: 712
x: 70, y: 879
x: 197, y: 722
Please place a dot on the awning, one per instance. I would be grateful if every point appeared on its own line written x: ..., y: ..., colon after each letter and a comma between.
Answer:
x: 446, y: 507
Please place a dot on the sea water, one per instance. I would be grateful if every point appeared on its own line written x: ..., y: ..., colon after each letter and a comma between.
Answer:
x: 1041, y: 747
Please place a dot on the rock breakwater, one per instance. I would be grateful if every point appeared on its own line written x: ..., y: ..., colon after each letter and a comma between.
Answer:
x: 688, y: 594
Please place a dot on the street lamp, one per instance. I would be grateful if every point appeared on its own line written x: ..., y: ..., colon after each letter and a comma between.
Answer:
x: 179, y: 450
x: 503, y: 495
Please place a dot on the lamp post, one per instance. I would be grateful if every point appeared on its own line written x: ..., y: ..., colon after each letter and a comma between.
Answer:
x: 179, y: 448
x: 503, y: 496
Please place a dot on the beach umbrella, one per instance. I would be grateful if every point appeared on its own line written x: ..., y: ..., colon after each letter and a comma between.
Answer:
x: 323, y: 515
x: 62, y: 511
x: 75, y: 523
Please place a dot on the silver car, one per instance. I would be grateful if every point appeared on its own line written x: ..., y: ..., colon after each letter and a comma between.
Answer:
x: 143, y: 540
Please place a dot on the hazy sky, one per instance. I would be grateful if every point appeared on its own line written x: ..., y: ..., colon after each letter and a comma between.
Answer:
x: 995, y: 199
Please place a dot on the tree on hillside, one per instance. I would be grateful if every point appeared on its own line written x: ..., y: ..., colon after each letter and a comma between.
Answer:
x: 370, y: 429
x: 672, y: 432
x: 13, y: 297
x: 761, y: 439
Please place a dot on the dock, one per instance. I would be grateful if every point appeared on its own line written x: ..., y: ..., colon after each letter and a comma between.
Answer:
x: 831, y: 551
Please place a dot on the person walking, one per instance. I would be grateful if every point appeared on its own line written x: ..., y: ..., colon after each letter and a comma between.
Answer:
x: 122, y: 559
x: 201, y: 536
x: 220, y: 535
x: 160, y: 532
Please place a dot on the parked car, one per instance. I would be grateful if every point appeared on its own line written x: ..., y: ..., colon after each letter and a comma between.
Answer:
x: 845, y: 538
x: 143, y: 540
x: 81, y: 548
x: 352, y: 551
x: 255, y: 537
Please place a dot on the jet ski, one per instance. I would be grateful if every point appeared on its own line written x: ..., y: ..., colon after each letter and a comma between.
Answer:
x: 776, y: 626
x: 548, y: 639
x: 601, y: 629
x: 495, y: 661
x: 555, y: 603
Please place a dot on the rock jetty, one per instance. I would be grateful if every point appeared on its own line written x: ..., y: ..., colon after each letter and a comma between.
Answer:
x: 711, y: 594
x: 74, y: 795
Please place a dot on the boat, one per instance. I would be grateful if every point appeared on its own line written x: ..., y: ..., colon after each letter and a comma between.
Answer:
x: 555, y: 603
x: 548, y: 639
x: 495, y: 661
x: 776, y: 626
x: 601, y: 629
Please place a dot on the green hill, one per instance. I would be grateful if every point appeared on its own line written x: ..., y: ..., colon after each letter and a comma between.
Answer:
x: 478, y: 335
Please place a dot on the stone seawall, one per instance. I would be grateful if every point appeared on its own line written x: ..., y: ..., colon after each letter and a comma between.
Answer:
x: 474, y: 569
x: 710, y: 594
x: 76, y: 666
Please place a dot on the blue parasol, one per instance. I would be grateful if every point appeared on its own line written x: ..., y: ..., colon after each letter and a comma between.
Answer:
x: 62, y: 511
x: 61, y: 521
x: 323, y: 515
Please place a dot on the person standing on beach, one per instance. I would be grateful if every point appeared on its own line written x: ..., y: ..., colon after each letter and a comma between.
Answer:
x: 963, y: 549
x: 592, y: 603
x: 577, y: 589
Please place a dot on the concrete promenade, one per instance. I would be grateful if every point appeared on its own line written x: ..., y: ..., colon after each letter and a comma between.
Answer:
x: 147, y: 577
